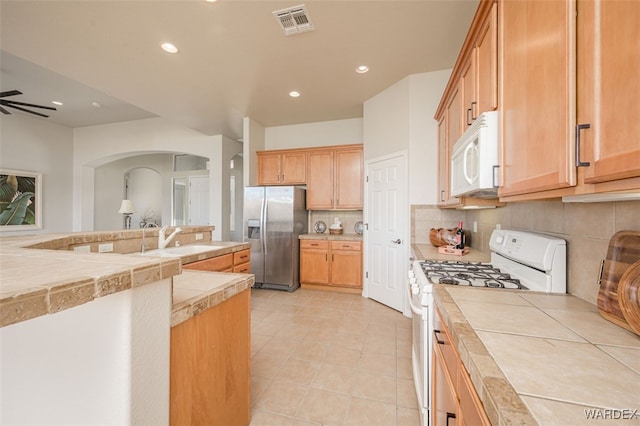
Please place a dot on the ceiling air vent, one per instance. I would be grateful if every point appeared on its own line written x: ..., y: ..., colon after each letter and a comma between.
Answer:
x: 294, y: 20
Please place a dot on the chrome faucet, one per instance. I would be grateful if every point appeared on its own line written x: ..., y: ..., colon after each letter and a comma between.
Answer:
x: 163, y: 241
x: 147, y: 225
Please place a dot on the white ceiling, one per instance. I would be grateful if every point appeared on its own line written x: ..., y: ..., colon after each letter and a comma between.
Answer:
x: 234, y: 59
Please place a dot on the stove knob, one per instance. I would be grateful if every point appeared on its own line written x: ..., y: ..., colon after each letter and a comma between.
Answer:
x: 413, y: 280
x: 415, y: 289
x: 411, y: 274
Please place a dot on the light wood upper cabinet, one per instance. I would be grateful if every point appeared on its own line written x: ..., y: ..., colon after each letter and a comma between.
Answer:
x: 349, y: 178
x: 486, y: 69
x: 608, y: 72
x: 335, y: 178
x: 573, y: 129
x: 472, y: 89
x: 537, y: 93
x: 282, y: 167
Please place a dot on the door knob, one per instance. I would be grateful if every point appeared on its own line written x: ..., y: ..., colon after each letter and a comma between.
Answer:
x: 398, y: 241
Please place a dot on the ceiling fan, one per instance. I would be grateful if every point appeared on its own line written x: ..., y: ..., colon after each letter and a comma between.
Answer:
x: 19, y: 105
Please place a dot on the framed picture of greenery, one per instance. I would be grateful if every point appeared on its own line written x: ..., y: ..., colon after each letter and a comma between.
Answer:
x: 20, y: 200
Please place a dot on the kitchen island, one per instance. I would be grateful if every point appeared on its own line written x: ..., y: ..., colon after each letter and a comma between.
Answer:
x: 94, y: 328
x: 539, y: 358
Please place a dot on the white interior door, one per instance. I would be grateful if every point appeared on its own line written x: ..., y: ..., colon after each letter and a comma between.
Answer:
x: 198, y: 200
x: 386, y: 239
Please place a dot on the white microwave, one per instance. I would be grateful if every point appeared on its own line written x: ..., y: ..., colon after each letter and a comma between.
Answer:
x: 474, y: 159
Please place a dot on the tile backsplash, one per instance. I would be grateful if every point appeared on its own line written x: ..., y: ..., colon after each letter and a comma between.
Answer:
x: 348, y: 218
x: 587, y: 228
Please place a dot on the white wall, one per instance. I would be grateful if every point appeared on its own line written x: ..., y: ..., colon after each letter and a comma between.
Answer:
x: 307, y: 135
x: 37, y: 145
x: 401, y: 118
x: 253, y: 134
x: 424, y: 96
x: 109, y: 190
x: 103, y: 362
x: 96, y: 145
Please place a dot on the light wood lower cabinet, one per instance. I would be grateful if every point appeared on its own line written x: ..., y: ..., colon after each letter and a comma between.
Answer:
x: 335, y: 265
x: 232, y: 262
x: 455, y: 401
x: 210, y: 371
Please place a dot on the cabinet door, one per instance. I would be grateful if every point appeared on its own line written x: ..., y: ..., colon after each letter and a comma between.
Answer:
x: 444, y: 397
x: 608, y: 88
x: 349, y: 179
x: 538, y: 108
x: 471, y: 409
x: 314, y: 262
x: 486, y: 53
x: 468, y: 84
x: 346, y: 264
x: 294, y: 168
x: 453, y: 132
x: 214, y: 264
x: 320, y: 175
x: 268, y: 168
x: 443, y: 162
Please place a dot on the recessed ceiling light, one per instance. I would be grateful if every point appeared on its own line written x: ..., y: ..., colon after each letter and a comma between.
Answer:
x: 169, y: 48
x: 211, y: 1
x: 362, y: 69
x: 294, y: 94
x: 96, y: 104
x: 57, y: 103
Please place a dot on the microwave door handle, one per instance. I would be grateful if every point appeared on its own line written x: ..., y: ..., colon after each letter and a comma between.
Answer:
x: 464, y: 163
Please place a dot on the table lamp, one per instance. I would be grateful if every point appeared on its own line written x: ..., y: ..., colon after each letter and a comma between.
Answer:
x: 127, y: 208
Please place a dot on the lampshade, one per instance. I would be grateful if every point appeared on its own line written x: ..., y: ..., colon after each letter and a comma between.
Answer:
x: 127, y: 207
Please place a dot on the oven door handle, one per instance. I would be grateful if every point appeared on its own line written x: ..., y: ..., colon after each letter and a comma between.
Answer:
x: 414, y: 308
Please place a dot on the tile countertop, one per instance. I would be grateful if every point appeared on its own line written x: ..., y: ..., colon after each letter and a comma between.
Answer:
x: 331, y: 237
x: 37, y: 282
x: 547, y: 359
x: 196, y: 291
x: 428, y: 251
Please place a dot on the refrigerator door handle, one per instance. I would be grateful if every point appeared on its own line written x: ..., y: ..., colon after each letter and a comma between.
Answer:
x: 263, y: 225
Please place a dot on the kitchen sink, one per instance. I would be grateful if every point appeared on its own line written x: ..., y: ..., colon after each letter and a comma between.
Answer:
x: 180, y: 251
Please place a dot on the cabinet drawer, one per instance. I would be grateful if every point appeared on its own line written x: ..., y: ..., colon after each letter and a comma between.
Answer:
x: 346, y: 245
x: 219, y: 263
x: 442, y: 339
x: 241, y: 256
x: 244, y: 268
x: 314, y: 244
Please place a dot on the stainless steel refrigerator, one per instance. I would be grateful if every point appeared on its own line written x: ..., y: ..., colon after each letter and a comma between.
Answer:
x: 274, y: 216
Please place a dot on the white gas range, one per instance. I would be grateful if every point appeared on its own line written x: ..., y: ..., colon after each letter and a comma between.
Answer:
x: 519, y: 261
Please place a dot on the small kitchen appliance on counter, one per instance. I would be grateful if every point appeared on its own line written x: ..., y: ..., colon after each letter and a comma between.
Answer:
x: 519, y: 261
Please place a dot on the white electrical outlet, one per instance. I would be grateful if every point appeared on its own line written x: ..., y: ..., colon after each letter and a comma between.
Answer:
x: 105, y: 248
x: 475, y: 226
x: 82, y: 249
x: 498, y: 226
x: 199, y: 236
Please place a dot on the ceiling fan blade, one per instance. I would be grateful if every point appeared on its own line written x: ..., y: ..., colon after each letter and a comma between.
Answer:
x: 26, y: 110
x: 10, y: 93
x: 12, y: 103
x: 4, y: 111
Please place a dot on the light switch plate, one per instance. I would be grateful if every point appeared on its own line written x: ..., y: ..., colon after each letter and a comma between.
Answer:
x: 82, y: 249
x: 105, y: 248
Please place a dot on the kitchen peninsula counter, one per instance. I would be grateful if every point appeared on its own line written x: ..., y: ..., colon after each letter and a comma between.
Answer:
x: 537, y: 358
x: 41, y: 274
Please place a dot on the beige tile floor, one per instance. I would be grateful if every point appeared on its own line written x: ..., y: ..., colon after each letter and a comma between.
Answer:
x: 328, y: 358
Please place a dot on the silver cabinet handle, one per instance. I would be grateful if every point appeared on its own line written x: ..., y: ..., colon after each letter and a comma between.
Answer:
x: 398, y: 241
x: 578, y: 162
